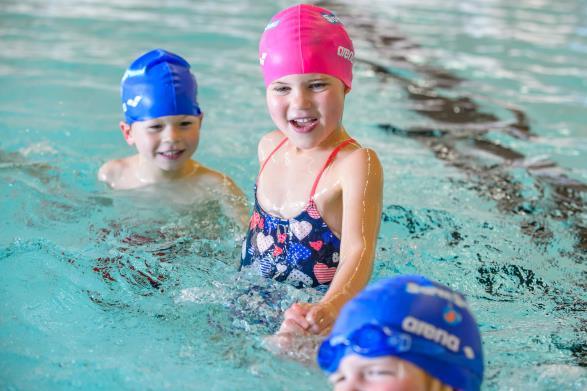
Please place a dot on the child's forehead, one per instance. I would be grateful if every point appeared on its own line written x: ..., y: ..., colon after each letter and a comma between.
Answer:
x: 356, y: 361
x: 168, y: 119
x: 303, y: 78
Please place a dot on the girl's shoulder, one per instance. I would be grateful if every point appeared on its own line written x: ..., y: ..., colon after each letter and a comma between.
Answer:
x: 268, y: 143
x: 356, y: 159
x: 354, y: 153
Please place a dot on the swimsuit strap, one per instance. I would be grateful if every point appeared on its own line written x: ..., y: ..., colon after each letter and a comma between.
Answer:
x: 331, y: 157
x: 270, y: 155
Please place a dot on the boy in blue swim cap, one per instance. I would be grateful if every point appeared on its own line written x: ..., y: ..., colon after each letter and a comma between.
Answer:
x: 162, y: 119
x: 404, y: 333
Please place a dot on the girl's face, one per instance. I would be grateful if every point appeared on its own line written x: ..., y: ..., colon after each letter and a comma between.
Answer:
x: 167, y: 143
x: 307, y: 108
x: 386, y: 373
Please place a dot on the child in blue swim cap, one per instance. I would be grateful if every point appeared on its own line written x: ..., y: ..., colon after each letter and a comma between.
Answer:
x: 162, y: 119
x: 404, y: 333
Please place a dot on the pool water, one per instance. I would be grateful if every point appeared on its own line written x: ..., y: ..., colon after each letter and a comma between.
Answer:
x: 477, y: 110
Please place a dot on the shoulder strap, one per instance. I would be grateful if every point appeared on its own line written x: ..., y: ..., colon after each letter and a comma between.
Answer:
x: 270, y: 155
x: 331, y: 157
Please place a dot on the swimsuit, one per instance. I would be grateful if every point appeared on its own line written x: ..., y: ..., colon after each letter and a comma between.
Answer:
x: 301, y: 250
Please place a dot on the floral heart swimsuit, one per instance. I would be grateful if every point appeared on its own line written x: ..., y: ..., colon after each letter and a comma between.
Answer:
x: 301, y: 250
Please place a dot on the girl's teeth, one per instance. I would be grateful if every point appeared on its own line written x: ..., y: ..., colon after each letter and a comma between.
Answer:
x: 303, y: 121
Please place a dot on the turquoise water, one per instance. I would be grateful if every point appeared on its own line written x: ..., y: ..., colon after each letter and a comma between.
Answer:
x: 477, y: 110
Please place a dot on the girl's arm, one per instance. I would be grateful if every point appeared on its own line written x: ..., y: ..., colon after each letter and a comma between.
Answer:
x: 362, y: 198
x: 361, y: 177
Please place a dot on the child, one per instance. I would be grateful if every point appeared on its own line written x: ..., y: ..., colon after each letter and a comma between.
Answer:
x: 318, y: 193
x: 404, y: 333
x: 163, y: 120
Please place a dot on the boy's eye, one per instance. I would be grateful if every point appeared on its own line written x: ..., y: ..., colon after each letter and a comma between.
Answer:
x: 335, y: 379
x: 155, y: 127
x: 185, y: 123
x: 375, y: 373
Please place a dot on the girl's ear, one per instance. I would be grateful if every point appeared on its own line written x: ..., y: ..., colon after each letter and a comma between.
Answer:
x: 126, y: 132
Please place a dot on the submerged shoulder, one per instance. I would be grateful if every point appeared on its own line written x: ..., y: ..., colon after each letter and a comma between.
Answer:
x: 268, y: 143
x: 217, y: 181
x: 114, y: 171
x: 213, y: 177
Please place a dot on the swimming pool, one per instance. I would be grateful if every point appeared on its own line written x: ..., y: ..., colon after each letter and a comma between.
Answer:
x: 477, y: 110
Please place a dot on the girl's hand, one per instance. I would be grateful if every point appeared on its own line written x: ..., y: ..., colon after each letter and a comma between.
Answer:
x: 295, y: 321
x: 321, y: 317
x: 307, y: 318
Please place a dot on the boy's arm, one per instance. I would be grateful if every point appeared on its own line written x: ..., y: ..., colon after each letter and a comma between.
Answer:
x: 238, y: 209
x: 362, y: 185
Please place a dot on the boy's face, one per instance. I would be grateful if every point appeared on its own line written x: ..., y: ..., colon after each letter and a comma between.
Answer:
x: 306, y: 107
x: 166, y: 142
x: 386, y: 373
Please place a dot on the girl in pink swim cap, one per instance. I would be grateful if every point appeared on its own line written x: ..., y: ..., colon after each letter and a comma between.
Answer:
x: 318, y: 194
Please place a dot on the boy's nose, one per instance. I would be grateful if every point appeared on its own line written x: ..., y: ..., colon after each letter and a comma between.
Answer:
x: 352, y: 385
x: 170, y: 134
x: 353, y: 382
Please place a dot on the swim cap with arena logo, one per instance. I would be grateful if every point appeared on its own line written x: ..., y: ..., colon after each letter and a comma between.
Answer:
x: 306, y: 39
x: 414, y: 319
x: 157, y: 84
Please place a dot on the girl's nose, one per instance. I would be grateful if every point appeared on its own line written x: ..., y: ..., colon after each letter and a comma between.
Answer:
x: 301, y: 99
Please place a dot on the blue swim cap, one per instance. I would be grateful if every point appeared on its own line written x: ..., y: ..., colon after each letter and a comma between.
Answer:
x: 414, y: 319
x: 157, y: 84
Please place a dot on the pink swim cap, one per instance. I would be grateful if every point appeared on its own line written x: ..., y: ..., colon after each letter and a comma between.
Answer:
x: 306, y: 39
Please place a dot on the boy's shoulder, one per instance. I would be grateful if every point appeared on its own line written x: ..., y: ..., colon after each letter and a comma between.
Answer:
x: 116, y: 172
x: 268, y: 143
x: 210, y: 174
x: 206, y: 176
x: 215, y: 182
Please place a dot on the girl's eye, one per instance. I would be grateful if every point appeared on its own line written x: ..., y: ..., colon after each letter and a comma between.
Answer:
x: 281, y: 89
x: 316, y: 86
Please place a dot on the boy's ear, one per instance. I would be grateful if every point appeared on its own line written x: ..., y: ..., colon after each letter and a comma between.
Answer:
x: 126, y: 132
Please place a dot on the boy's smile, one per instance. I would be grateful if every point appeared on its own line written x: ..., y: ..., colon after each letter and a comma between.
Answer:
x: 171, y: 154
